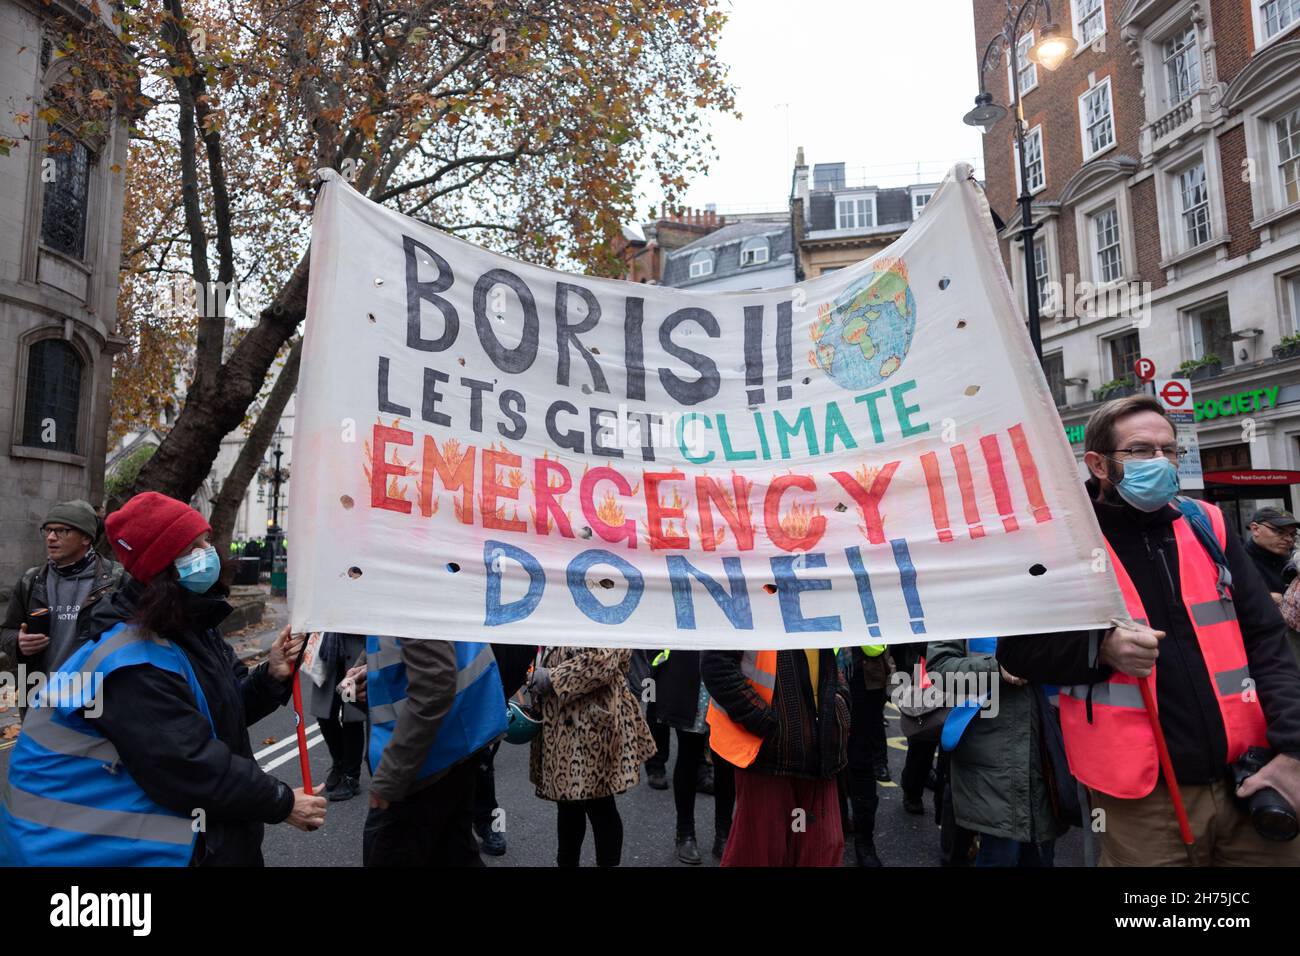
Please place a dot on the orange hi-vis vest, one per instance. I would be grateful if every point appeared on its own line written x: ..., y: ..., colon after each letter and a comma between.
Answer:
x: 1115, y: 750
x: 729, y: 739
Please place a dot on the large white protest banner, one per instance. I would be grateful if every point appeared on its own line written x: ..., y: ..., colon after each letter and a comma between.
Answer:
x: 488, y: 450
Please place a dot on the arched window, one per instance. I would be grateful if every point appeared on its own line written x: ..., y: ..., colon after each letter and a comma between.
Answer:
x: 65, y: 198
x: 67, y: 164
x: 754, y: 252
x: 52, y: 402
x: 701, y: 264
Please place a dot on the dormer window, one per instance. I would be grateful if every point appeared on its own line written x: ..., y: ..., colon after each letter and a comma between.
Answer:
x: 855, y: 212
x: 701, y: 265
x: 919, y: 201
x: 754, y: 252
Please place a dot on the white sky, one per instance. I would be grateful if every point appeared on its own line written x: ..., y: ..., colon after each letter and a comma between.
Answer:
x: 880, y: 84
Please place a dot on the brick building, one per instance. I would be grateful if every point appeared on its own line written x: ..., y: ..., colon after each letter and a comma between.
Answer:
x: 1164, y: 163
x: 60, y: 245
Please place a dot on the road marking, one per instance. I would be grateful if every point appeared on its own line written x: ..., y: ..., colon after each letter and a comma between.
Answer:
x: 290, y: 755
x: 291, y: 739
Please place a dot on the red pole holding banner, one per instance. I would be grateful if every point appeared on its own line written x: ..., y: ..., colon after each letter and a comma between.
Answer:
x: 303, y: 763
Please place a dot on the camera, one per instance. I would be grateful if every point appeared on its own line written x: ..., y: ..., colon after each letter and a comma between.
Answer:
x: 1274, y: 818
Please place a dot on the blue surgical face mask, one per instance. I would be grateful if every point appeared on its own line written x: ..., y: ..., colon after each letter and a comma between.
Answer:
x: 199, y: 570
x: 1149, y: 485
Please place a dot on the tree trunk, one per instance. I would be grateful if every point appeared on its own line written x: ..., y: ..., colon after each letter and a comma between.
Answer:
x: 211, y: 413
x: 259, y: 438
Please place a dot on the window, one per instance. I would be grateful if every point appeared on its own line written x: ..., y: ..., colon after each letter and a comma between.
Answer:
x: 919, y: 201
x: 1194, y: 204
x: 754, y: 252
x: 1033, y: 160
x: 1275, y: 16
x: 1089, y: 20
x: 63, y: 209
x: 1041, y: 274
x: 1212, y: 332
x: 1288, y: 155
x: 1182, y: 58
x: 1292, y: 286
x: 1106, y: 244
x: 856, y: 212
x: 1096, y: 119
x: 1026, y: 68
x: 1125, y: 350
x: 53, y: 396
x: 1054, y: 369
x: 701, y: 264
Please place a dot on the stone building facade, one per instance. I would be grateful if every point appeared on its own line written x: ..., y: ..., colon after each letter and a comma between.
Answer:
x: 60, y: 246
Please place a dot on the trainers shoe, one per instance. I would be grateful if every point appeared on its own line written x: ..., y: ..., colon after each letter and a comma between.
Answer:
x: 494, y: 841
x: 333, y: 778
x: 882, y: 772
x: 347, y: 788
x: 657, y: 779
x: 719, y: 845
x: 687, y: 850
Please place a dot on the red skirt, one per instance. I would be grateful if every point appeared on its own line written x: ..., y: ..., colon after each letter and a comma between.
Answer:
x: 785, y: 821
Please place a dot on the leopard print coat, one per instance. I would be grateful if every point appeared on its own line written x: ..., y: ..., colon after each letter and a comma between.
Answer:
x: 594, y: 737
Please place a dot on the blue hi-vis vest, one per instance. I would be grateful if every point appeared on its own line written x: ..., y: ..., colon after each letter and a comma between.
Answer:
x: 477, y: 716
x: 68, y: 800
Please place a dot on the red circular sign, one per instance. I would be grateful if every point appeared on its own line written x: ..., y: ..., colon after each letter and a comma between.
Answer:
x: 1145, y: 369
x: 1174, y: 393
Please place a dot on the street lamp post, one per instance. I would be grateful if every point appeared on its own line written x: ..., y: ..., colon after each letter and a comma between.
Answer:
x: 277, y: 477
x: 1050, y: 51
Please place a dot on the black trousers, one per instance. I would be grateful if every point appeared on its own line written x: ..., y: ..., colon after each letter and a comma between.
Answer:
x: 432, y: 827
x: 606, y: 827
x: 346, y: 742
x: 662, y: 734
x: 866, y: 746
x: 916, y: 769
x: 485, y: 786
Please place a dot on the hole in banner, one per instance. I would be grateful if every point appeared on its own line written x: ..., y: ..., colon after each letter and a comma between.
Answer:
x: 453, y: 567
x: 354, y: 572
x: 1037, y: 570
x: 972, y: 389
x: 944, y: 282
x: 769, y: 588
x: 961, y: 323
x: 371, y: 317
x: 346, y: 501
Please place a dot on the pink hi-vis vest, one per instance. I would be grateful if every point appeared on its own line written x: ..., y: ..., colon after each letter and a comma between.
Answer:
x: 1116, y: 752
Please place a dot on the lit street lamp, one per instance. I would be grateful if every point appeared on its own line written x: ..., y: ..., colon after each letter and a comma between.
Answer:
x: 1051, y: 50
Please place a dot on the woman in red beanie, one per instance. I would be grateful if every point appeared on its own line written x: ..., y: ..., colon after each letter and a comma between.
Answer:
x: 176, y: 706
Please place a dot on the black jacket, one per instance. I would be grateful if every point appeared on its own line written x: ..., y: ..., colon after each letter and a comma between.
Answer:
x: 1189, y: 713
x: 30, y: 594
x: 798, y: 739
x: 676, y: 690
x: 1269, y: 565
x: 167, y: 744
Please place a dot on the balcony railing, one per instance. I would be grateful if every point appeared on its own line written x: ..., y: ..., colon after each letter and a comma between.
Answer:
x: 1176, y: 117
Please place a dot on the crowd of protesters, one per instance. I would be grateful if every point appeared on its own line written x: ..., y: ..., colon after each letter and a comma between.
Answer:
x: 790, y: 743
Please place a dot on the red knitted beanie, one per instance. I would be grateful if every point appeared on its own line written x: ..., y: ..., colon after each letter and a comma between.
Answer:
x: 151, y: 531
